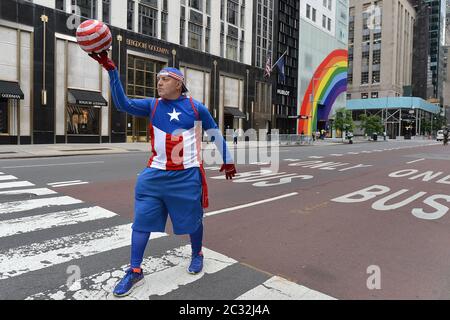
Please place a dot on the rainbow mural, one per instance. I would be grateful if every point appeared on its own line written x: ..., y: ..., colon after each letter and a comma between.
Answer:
x: 330, y: 80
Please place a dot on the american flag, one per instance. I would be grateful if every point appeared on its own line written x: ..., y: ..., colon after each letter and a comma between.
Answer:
x: 268, y: 69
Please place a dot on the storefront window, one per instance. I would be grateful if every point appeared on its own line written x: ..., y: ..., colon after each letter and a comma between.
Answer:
x: 3, y: 116
x: 83, y: 120
x: 141, y: 83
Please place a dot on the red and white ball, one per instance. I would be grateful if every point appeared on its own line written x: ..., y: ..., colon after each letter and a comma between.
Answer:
x: 94, y: 36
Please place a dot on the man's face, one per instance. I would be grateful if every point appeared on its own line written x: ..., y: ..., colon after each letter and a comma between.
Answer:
x: 169, y: 88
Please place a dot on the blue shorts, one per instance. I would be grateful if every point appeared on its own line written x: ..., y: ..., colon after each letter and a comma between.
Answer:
x: 160, y: 193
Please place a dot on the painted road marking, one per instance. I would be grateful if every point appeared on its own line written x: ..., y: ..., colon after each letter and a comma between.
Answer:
x: 6, y: 178
x: 277, y: 288
x: 252, y: 204
x: 55, y: 164
x: 19, y: 184
x: 69, y: 184
x: 172, y: 265
x: 415, y: 161
x: 17, y: 206
x: 52, y: 220
x: 36, y: 192
x: 63, y: 182
x: 21, y: 260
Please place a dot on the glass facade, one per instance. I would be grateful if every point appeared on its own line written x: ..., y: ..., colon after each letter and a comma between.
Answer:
x: 264, y: 31
x: 83, y: 120
x: 141, y: 83
x: 88, y: 8
x: 4, y: 116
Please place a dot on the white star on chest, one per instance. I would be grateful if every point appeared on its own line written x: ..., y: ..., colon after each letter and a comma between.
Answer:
x: 174, y: 115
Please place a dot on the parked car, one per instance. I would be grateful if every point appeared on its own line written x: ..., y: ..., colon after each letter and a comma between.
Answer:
x: 440, y: 135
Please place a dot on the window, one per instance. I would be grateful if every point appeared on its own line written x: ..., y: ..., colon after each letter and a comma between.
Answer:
x: 83, y: 120
x: 232, y: 46
x: 107, y: 11
x: 314, y: 14
x: 374, y: 95
x: 329, y: 24
x: 375, y: 76
x: 232, y: 12
x: 364, y: 95
x: 195, y: 36
x: 196, y: 4
x: 60, y: 5
x: 130, y: 15
x: 376, y: 57
x: 329, y: 4
x: 141, y: 78
x: 148, y: 20
x: 308, y: 11
x: 207, y: 40
x: 88, y: 8
x: 3, y: 116
x: 365, y: 77
x: 324, y: 21
x: 163, y: 25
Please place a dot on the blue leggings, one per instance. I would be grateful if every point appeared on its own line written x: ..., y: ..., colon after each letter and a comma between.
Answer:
x: 139, y: 241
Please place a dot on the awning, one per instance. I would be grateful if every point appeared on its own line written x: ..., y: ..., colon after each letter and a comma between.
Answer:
x: 10, y: 90
x: 235, y: 112
x: 86, y: 98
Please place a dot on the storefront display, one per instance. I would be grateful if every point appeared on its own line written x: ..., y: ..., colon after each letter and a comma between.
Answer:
x: 82, y: 120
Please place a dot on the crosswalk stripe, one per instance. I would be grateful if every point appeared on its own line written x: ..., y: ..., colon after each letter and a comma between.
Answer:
x: 69, y: 184
x: 18, y: 184
x: 5, y: 178
x: 277, y: 288
x: 52, y: 220
x: 63, y: 182
x: 17, y: 206
x: 162, y: 274
x: 36, y: 192
x: 17, y: 261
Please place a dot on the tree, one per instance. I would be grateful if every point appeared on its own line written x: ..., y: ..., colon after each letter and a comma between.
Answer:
x: 371, y: 124
x: 344, y: 120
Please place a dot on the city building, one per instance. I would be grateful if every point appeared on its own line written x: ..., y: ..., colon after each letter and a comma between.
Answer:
x: 323, y: 63
x: 380, y: 48
x: 429, y: 41
x: 286, y: 41
x: 402, y: 116
x: 52, y: 92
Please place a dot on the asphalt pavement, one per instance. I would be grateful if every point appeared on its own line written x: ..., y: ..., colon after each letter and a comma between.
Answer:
x: 331, y: 221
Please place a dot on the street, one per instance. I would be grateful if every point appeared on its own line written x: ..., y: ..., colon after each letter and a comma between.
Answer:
x: 362, y: 221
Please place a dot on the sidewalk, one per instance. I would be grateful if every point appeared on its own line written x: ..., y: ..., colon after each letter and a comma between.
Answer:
x: 64, y: 150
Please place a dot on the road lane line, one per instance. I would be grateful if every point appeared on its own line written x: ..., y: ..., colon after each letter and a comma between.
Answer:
x: 52, y: 220
x: 17, y: 261
x: 277, y: 288
x: 252, y: 204
x: 18, y: 184
x: 17, y: 206
x: 36, y: 192
x: 56, y: 164
x: 172, y: 265
x: 415, y: 161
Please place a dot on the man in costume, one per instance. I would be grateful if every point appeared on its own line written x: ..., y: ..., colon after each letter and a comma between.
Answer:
x: 174, y: 182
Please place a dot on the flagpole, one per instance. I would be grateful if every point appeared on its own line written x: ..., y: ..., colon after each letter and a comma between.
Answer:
x: 280, y: 58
